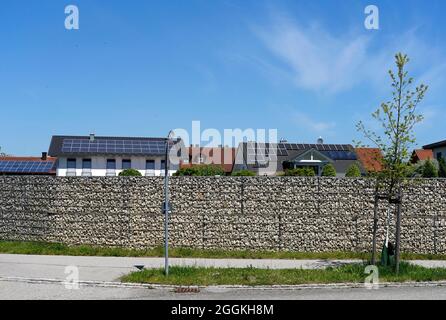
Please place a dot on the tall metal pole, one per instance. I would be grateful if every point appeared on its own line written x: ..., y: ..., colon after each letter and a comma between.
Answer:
x: 398, y: 232
x: 375, y: 226
x: 166, y: 207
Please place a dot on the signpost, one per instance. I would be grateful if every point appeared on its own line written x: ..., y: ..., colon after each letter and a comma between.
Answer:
x: 166, y: 205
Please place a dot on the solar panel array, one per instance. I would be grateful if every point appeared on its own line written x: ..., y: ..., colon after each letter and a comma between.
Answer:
x: 114, y: 146
x: 340, y: 155
x: 319, y: 147
x: 9, y: 166
x: 260, y: 152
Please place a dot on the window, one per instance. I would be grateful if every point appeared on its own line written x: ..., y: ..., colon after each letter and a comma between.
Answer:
x: 163, y: 164
x: 71, y: 164
x: 86, y: 167
x: 111, y: 164
x: 111, y: 167
x: 126, y: 164
x: 439, y: 155
x: 71, y: 167
x: 150, y: 165
x: 86, y: 164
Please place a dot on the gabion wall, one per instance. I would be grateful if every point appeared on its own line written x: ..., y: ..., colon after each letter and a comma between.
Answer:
x: 234, y: 213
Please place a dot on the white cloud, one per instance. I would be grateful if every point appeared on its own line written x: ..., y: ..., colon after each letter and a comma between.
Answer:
x: 316, y: 126
x: 319, y: 61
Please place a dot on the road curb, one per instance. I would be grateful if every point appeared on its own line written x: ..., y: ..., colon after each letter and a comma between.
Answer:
x: 105, y: 284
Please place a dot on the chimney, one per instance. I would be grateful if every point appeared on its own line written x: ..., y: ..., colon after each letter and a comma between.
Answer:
x: 283, y: 140
x: 44, y: 156
x: 92, y: 136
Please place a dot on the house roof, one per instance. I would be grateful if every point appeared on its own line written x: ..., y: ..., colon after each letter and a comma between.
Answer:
x: 435, y: 145
x: 252, y: 155
x: 370, y: 158
x: 28, y: 165
x: 223, y: 156
x: 98, y: 145
x: 421, y: 154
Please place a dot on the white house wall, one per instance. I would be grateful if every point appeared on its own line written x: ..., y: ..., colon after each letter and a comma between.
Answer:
x: 99, y: 165
x: 437, y: 150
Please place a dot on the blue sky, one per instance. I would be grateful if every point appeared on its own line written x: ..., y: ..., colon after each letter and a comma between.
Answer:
x: 141, y: 68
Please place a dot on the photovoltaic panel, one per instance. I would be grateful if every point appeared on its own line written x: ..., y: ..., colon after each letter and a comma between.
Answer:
x: 26, y: 166
x: 340, y: 155
x: 113, y: 146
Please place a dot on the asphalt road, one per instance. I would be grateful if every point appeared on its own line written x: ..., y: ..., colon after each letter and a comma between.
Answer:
x: 27, y: 291
x: 18, y: 274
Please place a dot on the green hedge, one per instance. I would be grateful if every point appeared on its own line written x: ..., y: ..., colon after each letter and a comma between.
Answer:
x: 130, y: 173
x: 201, y: 170
x: 244, y: 173
x: 300, y: 172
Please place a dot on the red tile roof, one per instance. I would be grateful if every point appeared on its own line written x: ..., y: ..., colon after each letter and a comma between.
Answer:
x: 370, y: 158
x: 421, y: 154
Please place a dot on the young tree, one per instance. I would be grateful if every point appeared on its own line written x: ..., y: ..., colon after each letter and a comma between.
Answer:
x: 397, y: 118
x: 329, y: 171
x: 429, y: 170
x: 353, y: 171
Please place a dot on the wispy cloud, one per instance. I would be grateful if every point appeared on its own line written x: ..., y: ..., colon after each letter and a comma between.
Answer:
x: 315, y: 126
x: 320, y: 61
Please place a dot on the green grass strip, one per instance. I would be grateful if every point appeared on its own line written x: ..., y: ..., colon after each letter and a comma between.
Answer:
x: 43, y: 248
x: 352, y: 273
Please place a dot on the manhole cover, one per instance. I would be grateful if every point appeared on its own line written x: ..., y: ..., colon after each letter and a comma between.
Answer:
x: 187, y: 290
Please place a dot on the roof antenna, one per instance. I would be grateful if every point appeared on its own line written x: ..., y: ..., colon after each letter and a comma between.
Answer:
x: 320, y: 140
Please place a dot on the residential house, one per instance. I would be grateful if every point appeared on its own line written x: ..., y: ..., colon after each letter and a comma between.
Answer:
x: 28, y: 165
x: 438, y: 149
x: 421, y: 155
x: 108, y: 156
x: 223, y: 156
x: 273, y: 158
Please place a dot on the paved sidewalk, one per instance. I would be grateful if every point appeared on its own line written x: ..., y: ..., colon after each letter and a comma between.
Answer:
x: 111, y: 268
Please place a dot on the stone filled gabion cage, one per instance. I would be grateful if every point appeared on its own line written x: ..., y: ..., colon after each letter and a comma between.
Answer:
x: 233, y: 213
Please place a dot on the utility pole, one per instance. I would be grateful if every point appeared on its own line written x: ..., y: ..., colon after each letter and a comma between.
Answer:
x: 166, y: 204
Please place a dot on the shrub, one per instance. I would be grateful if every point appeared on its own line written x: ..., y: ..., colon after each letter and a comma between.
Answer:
x: 442, y: 168
x: 244, y: 173
x: 329, y: 171
x: 429, y: 170
x: 201, y: 170
x: 130, y: 173
x: 300, y: 172
x: 191, y: 171
x: 353, y: 171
